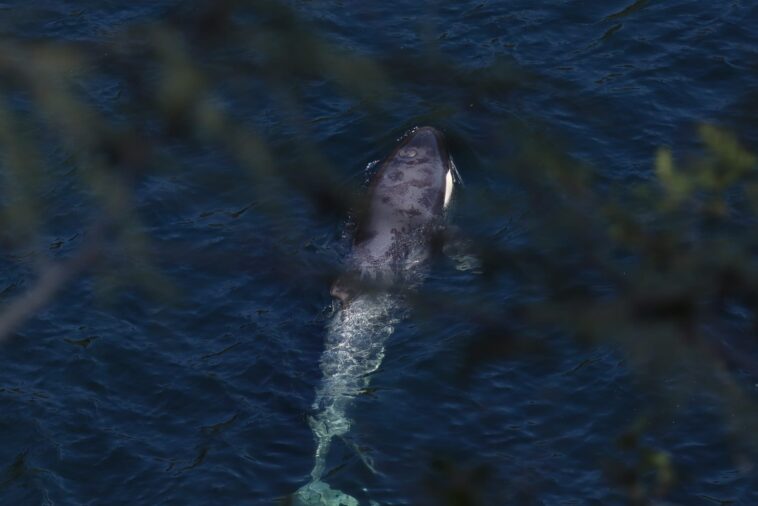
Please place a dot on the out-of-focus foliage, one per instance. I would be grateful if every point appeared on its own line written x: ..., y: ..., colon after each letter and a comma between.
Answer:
x: 664, y: 269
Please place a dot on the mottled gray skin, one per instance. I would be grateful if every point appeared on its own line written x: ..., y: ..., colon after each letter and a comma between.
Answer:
x: 405, y: 206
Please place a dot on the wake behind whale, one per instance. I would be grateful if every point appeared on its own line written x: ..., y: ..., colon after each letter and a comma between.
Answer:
x: 354, y: 349
x: 405, y: 208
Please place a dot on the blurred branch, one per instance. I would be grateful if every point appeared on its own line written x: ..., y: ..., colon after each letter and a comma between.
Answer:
x: 51, y: 279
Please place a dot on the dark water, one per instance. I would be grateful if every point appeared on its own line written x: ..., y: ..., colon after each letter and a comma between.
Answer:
x: 124, y: 400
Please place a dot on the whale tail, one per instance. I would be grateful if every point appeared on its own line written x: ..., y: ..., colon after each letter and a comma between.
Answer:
x: 319, y: 493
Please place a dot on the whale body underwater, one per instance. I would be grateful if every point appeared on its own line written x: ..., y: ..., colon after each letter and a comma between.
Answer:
x: 404, y: 211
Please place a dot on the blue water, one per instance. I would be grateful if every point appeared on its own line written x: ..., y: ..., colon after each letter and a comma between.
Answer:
x: 114, y: 396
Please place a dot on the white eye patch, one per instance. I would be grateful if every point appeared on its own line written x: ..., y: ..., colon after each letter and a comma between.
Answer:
x: 448, y: 187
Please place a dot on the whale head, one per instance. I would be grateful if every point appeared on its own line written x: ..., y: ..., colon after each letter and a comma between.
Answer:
x: 410, y: 189
x: 406, y: 200
x: 422, y: 161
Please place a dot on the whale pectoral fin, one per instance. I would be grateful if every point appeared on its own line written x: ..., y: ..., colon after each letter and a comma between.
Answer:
x: 461, y: 251
x: 367, y: 460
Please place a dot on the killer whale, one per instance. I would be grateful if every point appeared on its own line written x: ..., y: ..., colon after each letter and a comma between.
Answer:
x: 405, y: 207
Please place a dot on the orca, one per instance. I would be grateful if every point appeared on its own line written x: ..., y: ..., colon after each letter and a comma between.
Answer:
x: 404, y: 210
